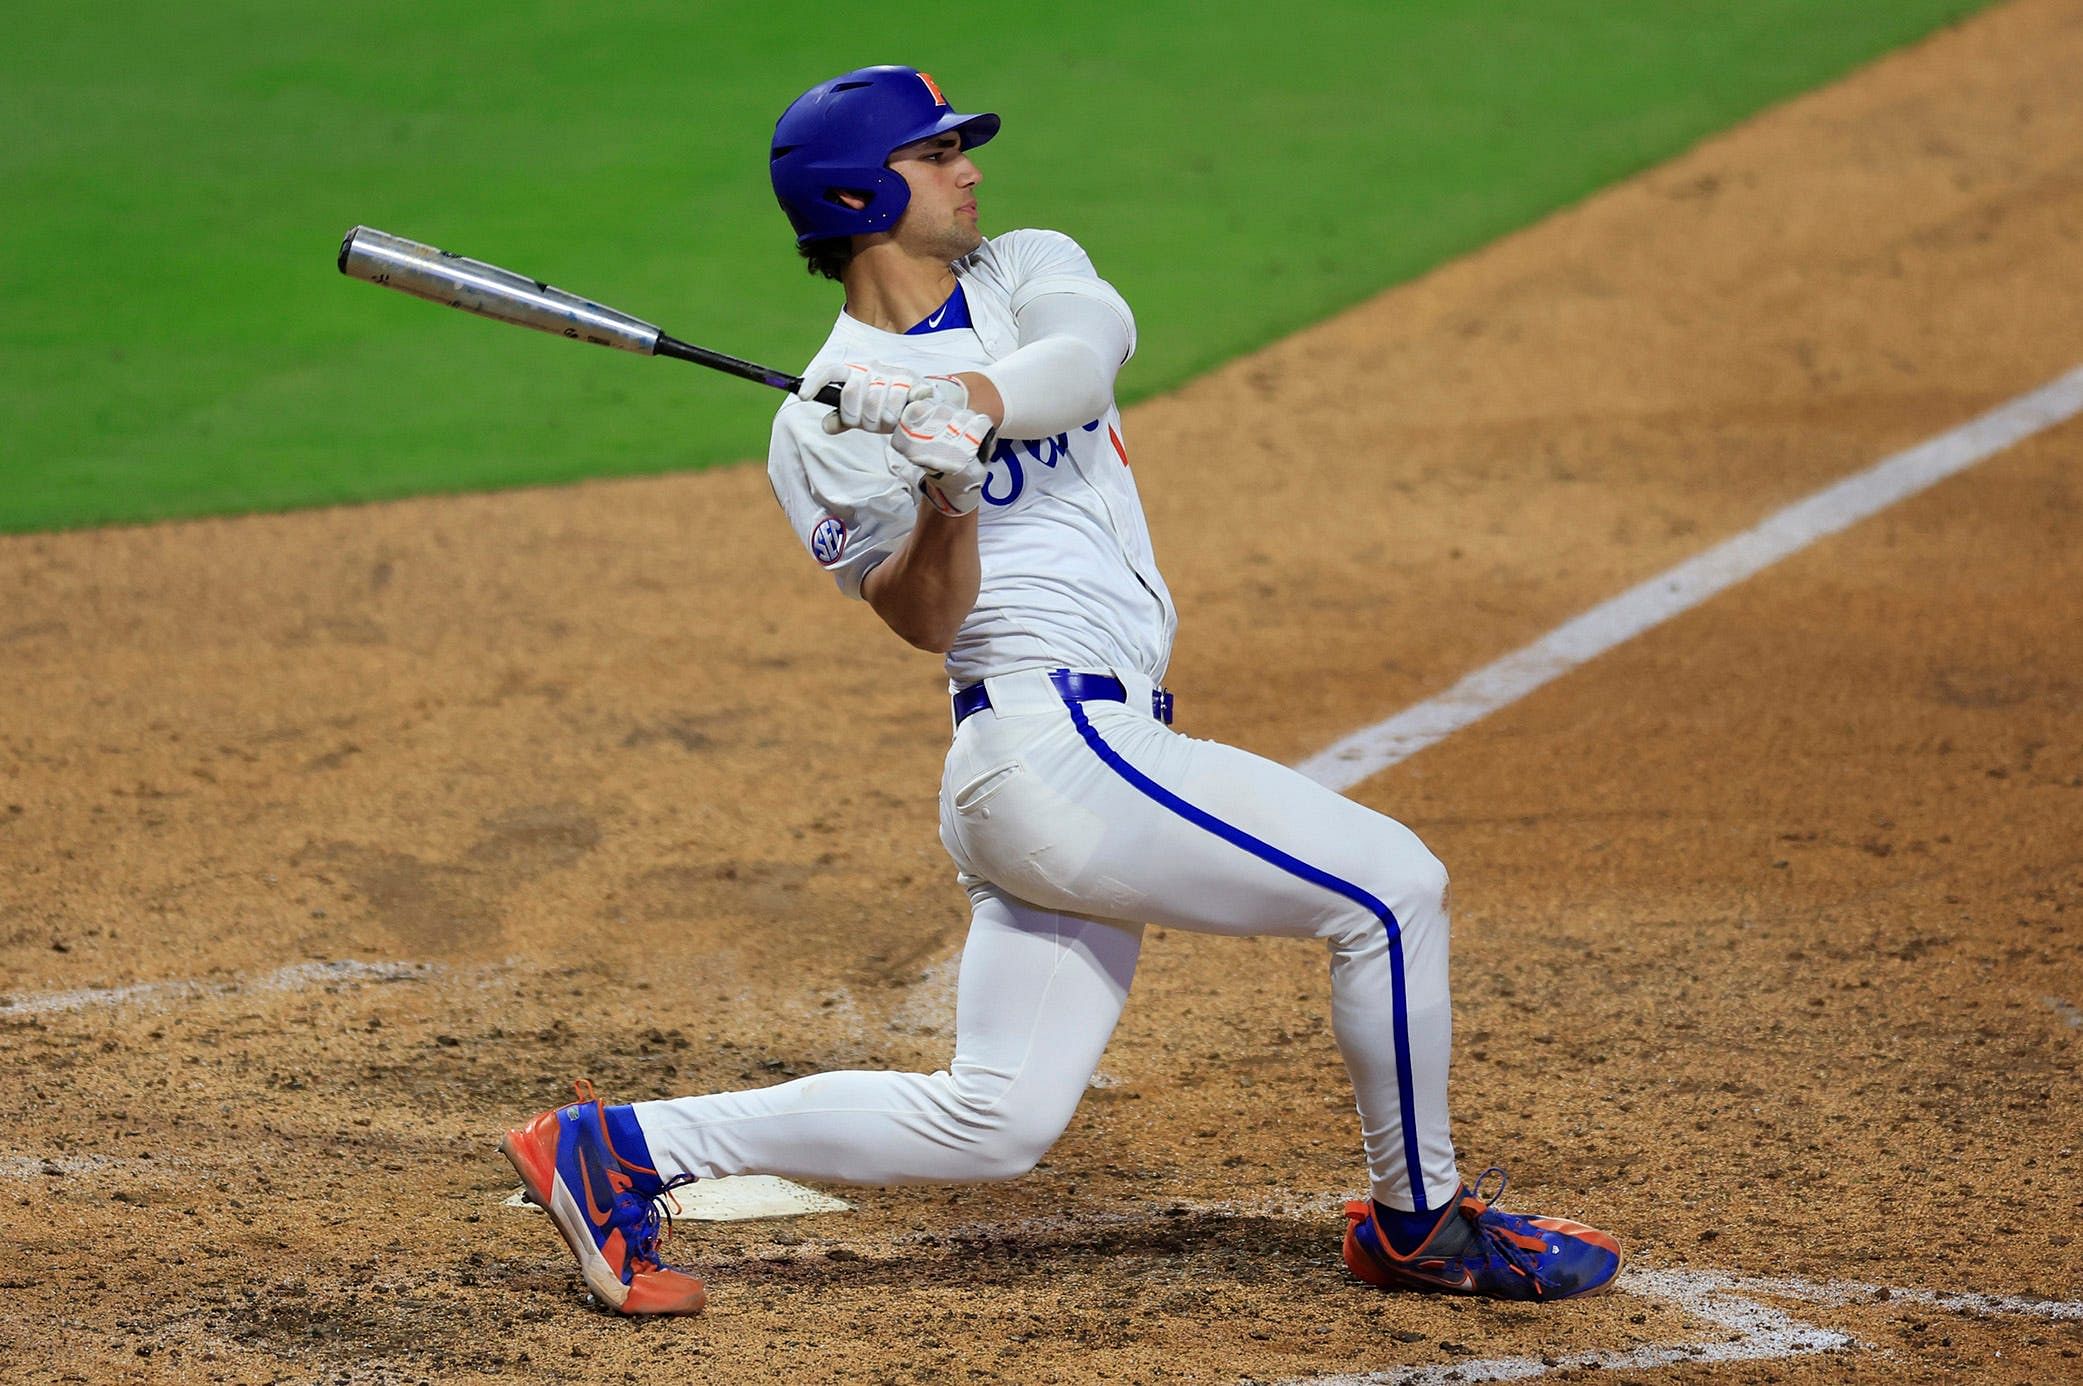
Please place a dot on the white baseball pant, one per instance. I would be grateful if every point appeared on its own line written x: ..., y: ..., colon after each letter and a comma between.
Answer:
x: 1069, y: 822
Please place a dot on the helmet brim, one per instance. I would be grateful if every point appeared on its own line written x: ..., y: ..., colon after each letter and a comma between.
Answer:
x: 974, y: 129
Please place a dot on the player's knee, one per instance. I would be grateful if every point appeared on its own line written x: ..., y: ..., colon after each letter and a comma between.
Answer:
x: 1006, y: 1130
x: 1407, y: 890
x: 1011, y: 1154
x: 1427, y: 883
x: 1411, y: 879
x: 1022, y: 1137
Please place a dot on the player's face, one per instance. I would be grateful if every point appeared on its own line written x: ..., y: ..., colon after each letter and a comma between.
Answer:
x: 941, y: 218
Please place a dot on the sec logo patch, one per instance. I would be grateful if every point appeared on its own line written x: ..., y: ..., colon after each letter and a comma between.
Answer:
x: 828, y: 541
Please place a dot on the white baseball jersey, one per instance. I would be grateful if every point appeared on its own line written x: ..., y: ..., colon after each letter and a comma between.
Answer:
x: 1069, y: 578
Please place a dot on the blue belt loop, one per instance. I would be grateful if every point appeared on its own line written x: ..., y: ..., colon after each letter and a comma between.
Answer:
x: 1075, y: 688
x: 969, y: 701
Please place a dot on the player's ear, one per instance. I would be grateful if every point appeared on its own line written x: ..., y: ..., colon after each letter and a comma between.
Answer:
x: 851, y: 199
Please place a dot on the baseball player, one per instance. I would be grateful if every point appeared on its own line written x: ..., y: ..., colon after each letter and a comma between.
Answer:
x: 973, y: 487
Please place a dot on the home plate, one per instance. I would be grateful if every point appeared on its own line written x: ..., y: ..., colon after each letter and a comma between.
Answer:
x: 738, y: 1198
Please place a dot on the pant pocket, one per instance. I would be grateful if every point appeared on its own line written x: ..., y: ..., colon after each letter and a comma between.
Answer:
x: 1017, y: 831
x: 974, y: 797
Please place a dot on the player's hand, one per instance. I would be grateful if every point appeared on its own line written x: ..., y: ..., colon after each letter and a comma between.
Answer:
x: 873, y: 394
x: 937, y: 447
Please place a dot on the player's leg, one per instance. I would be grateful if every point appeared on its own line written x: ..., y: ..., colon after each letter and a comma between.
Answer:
x: 1100, y: 804
x: 1036, y: 1002
x: 1038, y: 996
x: 1106, y: 809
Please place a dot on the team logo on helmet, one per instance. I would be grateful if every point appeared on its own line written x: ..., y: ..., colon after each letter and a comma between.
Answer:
x: 828, y: 541
x: 933, y: 87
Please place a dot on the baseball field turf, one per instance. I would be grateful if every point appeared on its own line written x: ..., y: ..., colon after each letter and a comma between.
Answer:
x: 177, y: 342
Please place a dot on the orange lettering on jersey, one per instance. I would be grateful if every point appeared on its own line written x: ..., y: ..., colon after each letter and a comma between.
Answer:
x: 933, y: 87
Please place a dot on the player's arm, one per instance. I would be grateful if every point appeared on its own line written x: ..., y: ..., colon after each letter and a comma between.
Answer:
x: 925, y: 589
x: 1074, y: 331
x: 1072, y: 345
x: 893, y: 523
x: 928, y: 586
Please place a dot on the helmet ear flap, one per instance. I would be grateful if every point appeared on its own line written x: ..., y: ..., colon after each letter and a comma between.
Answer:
x: 882, y: 193
x: 888, y: 195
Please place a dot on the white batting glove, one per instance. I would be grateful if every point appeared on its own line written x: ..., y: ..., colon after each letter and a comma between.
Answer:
x: 873, y: 394
x: 937, y: 454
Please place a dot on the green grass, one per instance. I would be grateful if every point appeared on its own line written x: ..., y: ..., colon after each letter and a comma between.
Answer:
x: 176, y: 179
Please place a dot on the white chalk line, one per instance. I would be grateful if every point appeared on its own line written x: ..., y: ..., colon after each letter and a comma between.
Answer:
x: 1694, y: 1291
x: 1715, y: 1299
x: 1835, y: 1292
x: 2070, y: 1016
x: 1679, y: 589
x: 292, y: 978
x: 1762, y: 1332
x: 31, y: 1167
x: 1494, y: 686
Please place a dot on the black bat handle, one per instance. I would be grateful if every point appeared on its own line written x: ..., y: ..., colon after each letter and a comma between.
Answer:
x: 744, y: 370
x: 732, y: 365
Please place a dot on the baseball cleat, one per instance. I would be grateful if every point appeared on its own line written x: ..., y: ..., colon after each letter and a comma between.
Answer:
x: 1476, y: 1250
x: 610, y: 1211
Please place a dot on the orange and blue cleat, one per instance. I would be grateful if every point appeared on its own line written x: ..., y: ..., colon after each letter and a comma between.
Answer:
x: 609, y: 1209
x: 1476, y: 1250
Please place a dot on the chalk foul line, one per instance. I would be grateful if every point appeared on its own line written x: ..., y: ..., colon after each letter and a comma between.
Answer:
x: 295, y: 977
x: 1759, y: 1332
x: 1679, y: 589
x: 1494, y: 686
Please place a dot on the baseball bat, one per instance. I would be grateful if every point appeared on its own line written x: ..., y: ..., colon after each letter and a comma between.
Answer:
x: 442, y: 276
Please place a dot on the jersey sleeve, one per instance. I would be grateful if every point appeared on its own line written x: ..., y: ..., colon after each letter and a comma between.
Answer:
x: 838, y: 494
x: 1034, y: 264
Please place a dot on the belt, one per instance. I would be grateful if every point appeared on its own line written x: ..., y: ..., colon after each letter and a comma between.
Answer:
x: 1075, y: 688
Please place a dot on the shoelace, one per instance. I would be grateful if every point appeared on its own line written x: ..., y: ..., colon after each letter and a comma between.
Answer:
x: 1519, y: 1251
x: 656, y: 1222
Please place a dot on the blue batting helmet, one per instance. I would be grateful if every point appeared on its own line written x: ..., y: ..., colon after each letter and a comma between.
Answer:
x: 838, y: 135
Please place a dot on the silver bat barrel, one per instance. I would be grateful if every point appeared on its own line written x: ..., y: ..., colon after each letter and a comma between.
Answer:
x: 444, y: 277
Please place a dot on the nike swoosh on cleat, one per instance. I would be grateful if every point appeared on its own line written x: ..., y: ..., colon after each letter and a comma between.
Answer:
x: 1435, y: 1272
x: 601, y: 1215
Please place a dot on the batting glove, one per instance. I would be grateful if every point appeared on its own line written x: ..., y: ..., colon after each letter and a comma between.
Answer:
x: 938, y: 453
x: 873, y: 394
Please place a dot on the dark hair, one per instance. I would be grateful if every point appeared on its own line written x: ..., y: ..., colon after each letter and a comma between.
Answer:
x: 827, y: 257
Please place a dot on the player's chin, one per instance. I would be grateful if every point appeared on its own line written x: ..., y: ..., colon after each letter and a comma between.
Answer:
x: 964, y: 236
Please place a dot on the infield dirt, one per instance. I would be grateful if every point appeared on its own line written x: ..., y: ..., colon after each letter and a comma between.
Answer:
x: 1769, y: 936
